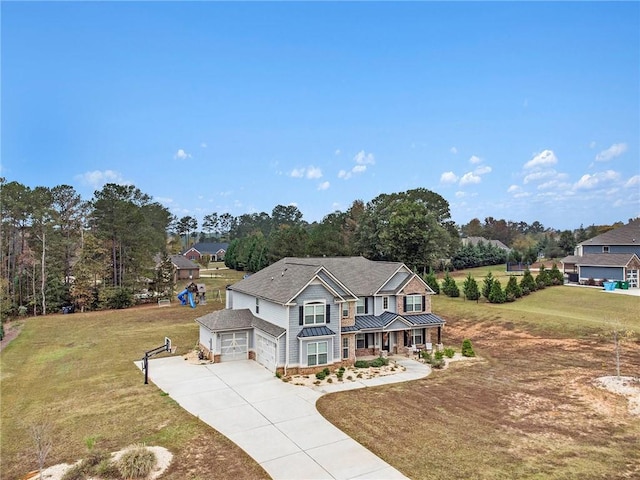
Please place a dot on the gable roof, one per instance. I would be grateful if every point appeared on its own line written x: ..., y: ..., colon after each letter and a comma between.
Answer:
x: 283, y: 280
x: 628, y: 234
x: 182, y: 262
x: 208, y: 247
x: 376, y: 322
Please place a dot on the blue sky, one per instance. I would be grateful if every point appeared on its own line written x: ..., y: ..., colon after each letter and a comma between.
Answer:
x: 522, y: 111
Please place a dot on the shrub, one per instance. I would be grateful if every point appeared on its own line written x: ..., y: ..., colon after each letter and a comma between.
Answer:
x: 426, y: 356
x: 361, y: 364
x: 431, y: 280
x: 513, y: 289
x: 340, y: 373
x: 321, y: 375
x: 326, y: 371
x: 137, y: 462
x: 438, y: 355
x: 557, y: 277
x: 449, y: 352
x: 87, y: 467
x: 449, y: 286
x: 486, y: 285
x: 329, y: 380
x: 437, y: 363
x: 527, y: 283
x: 467, y: 349
x: 379, y: 362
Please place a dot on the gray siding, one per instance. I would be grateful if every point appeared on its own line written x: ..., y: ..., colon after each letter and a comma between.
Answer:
x: 310, y: 294
x: 378, y: 305
x: 396, y: 280
x: 599, y: 273
x: 612, y: 249
x: 331, y: 349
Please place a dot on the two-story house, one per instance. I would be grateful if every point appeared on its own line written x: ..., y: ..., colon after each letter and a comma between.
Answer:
x: 613, y: 255
x: 300, y: 315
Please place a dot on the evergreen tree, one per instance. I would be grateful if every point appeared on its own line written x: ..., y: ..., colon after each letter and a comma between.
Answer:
x: 449, y: 286
x: 431, y: 280
x: 557, y: 277
x: 470, y: 288
x: 543, y: 279
x: 512, y: 290
x: 487, y: 284
x: 527, y: 284
x: 496, y: 295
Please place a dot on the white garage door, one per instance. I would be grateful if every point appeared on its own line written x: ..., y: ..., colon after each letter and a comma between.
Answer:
x: 234, y: 346
x: 266, y: 351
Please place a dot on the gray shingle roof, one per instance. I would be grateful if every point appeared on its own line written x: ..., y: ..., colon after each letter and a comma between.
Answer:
x: 315, y: 332
x: 475, y: 240
x: 223, y: 320
x: 183, y: 262
x: 284, y: 279
x: 208, y: 247
x: 628, y: 234
x: 600, y: 259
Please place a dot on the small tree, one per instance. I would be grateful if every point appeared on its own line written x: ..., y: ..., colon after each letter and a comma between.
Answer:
x: 496, y: 295
x: 431, y: 280
x: 449, y: 286
x: 512, y: 290
x: 543, y: 279
x: 486, y: 285
x: 557, y: 278
x: 527, y: 284
x: 470, y: 288
x: 41, y: 434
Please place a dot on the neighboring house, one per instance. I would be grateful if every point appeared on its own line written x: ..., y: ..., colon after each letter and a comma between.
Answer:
x: 216, y: 251
x: 185, y: 269
x: 613, y: 255
x: 300, y: 315
x: 473, y: 241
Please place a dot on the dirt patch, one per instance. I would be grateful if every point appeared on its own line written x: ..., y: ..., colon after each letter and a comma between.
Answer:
x: 11, y: 331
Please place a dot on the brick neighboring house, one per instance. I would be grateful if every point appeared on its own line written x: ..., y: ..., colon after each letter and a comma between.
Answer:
x: 300, y: 315
x: 216, y: 251
x: 473, y: 241
x: 185, y: 269
x: 613, y: 255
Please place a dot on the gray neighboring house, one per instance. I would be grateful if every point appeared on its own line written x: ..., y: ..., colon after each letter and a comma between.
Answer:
x: 301, y: 315
x: 613, y: 255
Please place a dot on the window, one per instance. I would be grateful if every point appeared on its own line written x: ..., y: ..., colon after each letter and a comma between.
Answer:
x: 257, y: 305
x: 345, y: 309
x: 361, y: 306
x: 416, y: 336
x: 605, y: 249
x: 385, y: 303
x: 314, y: 313
x: 317, y: 353
x: 413, y: 303
x: 360, y: 343
x: 345, y: 347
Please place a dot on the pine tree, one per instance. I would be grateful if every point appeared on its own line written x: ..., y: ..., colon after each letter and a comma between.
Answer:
x: 487, y: 284
x: 496, y: 295
x: 470, y: 288
x: 527, y: 284
x: 557, y: 278
x: 449, y: 286
x: 431, y: 280
x: 512, y: 290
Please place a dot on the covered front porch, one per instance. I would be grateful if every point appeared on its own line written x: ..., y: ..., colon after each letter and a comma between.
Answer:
x: 391, y: 333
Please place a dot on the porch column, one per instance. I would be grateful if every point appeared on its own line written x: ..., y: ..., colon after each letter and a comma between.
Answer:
x: 439, y: 335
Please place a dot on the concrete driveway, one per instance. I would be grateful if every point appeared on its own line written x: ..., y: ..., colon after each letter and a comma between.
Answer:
x: 274, y: 422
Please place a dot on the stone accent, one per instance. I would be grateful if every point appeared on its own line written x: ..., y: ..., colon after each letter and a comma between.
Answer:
x: 252, y: 355
x: 351, y: 319
x: 415, y: 286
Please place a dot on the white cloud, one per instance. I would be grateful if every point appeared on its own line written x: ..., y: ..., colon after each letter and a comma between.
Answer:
x: 363, y: 158
x: 314, y: 172
x: 324, y: 186
x: 513, y: 189
x: 521, y: 195
x: 297, y: 173
x: 555, y: 183
x: 453, y: 150
x: 635, y: 180
x: 344, y: 174
x: 532, y: 177
x: 592, y: 144
x: 545, y: 158
x: 482, y: 170
x: 474, y: 159
x: 98, y: 178
x: 591, y: 181
x: 359, y: 169
x: 448, y: 177
x: 337, y: 152
x: 469, y: 178
x: 612, y: 152
x: 181, y: 155
x: 203, y: 145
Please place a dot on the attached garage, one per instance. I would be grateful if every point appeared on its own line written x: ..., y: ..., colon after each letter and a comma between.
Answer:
x: 266, y: 350
x: 234, y: 346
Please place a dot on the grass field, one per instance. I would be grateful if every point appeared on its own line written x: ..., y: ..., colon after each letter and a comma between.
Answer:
x: 527, y: 409
x: 76, y: 373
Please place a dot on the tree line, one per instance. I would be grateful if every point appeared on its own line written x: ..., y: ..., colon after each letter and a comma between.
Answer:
x: 57, y: 249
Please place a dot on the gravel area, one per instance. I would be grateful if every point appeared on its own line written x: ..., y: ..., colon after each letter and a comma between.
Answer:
x: 627, y: 386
